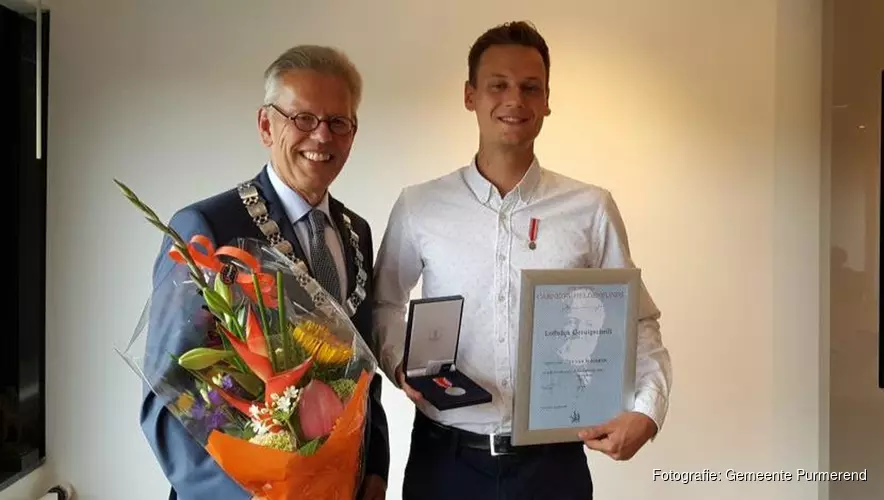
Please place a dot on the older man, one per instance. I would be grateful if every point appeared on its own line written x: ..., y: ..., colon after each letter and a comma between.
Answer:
x: 307, y: 122
x: 470, y: 233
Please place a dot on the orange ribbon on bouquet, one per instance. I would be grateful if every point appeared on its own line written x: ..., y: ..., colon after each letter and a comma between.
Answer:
x: 210, y: 260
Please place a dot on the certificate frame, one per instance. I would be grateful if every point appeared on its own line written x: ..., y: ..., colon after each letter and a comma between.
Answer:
x: 630, y: 280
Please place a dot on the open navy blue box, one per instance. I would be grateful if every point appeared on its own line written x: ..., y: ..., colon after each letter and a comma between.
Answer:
x: 431, y: 339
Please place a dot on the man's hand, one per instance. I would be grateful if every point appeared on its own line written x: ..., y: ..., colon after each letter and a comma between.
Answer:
x: 374, y: 488
x: 621, y: 437
x: 412, y: 394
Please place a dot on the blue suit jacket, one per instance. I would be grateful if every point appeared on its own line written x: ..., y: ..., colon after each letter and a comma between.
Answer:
x: 193, y: 474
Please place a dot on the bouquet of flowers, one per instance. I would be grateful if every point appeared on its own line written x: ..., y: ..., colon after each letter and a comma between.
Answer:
x: 259, y: 364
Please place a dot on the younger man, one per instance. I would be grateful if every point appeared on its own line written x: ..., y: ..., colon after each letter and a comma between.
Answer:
x: 467, y: 233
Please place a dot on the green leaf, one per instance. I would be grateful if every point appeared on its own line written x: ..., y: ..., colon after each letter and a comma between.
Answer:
x: 125, y: 189
x: 283, y: 324
x: 246, y: 431
x: 228, y: 322
x: 310, y: 448
x: 223, y: 290
x: 157, y: 224
x: 262, y: 320
x: 216, y: 303
x: 249, y: 382
x: 241, y: 315
x: 154, y: 219
x: 201, y: 358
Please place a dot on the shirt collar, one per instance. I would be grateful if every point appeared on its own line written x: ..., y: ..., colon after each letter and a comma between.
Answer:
x: 483, y: 189
x: 295, y: 206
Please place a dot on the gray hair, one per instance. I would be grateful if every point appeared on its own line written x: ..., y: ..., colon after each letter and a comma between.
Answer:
x: 326, y: 60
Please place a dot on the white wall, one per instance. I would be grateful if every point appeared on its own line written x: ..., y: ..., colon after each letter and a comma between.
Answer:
x: 701, y: 116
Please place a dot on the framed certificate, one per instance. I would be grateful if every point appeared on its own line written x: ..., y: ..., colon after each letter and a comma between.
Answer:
x: 576, y: 357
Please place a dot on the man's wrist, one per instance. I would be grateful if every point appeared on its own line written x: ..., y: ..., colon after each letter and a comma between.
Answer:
x: 652, y: 405
x: 651, y: 428
x: 390, y: 365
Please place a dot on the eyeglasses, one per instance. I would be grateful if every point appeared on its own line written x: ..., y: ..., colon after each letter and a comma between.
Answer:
x: 308, y: 122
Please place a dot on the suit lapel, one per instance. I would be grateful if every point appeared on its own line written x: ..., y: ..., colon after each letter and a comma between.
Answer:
x: 277, y: 213
x: 337, y: 210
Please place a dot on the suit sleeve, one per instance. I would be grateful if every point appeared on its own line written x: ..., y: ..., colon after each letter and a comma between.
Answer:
x: 192, y: 472
x: 378, y: 453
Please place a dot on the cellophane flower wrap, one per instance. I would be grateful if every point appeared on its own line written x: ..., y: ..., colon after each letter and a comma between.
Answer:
x: 259, y: 364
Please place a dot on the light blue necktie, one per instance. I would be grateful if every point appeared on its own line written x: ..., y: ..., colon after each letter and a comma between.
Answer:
x: 324, y: 269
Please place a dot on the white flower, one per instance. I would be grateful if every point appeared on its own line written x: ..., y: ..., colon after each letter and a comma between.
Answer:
x: 254, y: 410
x: 287, y: 402
x: 284, y: 404
x: 260, y: 427
x: 291, y: 392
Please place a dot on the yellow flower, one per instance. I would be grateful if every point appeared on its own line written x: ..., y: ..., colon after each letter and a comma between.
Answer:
x: 319, y: 342
x: 185, y: 402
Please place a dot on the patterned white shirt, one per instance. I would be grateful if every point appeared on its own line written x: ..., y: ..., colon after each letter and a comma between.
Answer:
x: 462, y: 238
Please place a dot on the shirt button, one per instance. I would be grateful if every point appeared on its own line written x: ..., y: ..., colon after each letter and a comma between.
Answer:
x: 504, y: 383
x: 501, y: 339
x: 501, y: 257
x: 501, y: 298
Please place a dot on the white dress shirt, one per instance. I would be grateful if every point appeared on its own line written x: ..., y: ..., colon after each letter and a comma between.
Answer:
x: 297, y: 209
x: 461, y: 237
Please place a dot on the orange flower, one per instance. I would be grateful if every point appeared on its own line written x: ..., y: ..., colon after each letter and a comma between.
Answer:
x: 254, y: 353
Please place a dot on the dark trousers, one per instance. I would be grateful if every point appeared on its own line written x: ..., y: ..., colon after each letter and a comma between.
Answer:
x: 441, y: 468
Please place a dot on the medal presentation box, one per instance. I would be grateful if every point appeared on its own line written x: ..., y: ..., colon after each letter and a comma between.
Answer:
x: 431, y: 339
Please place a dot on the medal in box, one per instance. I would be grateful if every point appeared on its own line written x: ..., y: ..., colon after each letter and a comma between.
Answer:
x: 431, y: 339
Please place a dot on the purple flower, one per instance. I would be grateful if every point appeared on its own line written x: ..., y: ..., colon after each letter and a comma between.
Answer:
x: 217, y: 419
x: 227, y: 382
x: 198, y: 411
x: 230, y: 385
x: 215, y: 399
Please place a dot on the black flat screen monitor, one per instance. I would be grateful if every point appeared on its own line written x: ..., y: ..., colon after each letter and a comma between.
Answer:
x: 22, y: 354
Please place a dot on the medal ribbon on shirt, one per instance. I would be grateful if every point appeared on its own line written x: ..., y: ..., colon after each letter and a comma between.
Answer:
x: 532, y: 234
